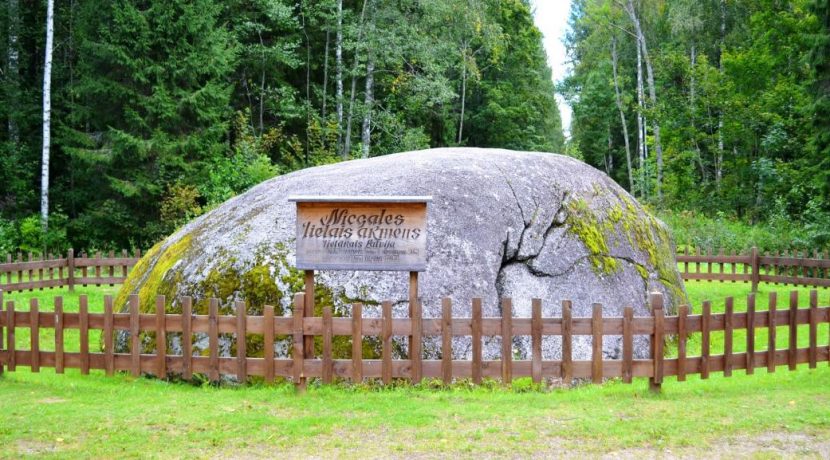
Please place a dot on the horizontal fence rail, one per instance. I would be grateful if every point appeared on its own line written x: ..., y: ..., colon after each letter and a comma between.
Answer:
x: 303, y: 362
x: 50, y: 271
x: 796, y: 268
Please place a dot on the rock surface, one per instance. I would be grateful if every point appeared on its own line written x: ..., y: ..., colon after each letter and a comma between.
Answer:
x: 501, y: 224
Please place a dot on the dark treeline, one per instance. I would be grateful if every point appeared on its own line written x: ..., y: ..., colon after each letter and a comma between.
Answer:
x: 162, y: 109
x: 716, y: 107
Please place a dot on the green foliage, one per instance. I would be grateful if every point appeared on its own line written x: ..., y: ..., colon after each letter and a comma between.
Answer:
x: 740, y: 90
x: 247, y: 164
x: 164, y: 109
x: 695, y: 230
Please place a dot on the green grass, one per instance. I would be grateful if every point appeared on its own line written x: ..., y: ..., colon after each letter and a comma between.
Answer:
x: 785, y: 413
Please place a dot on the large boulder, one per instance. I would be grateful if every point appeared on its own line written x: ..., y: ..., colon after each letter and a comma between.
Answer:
x: 501, y: 224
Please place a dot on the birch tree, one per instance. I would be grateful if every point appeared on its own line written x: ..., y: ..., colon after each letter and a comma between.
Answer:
x: 338, y: 52
x: 47, y: 115
x: 643, y: 45
x: 621, y: 110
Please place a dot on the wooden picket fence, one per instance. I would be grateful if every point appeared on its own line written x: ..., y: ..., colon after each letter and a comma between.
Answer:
x: 796, y: 268
x: 51, y: 271
x: 303, y: 364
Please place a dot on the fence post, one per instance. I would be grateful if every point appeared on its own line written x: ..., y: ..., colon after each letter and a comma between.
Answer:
x: 657, y: 337
x: 297, y: 354
x: 70, y: 264
x: 756, y: 275
x: 1, y: 331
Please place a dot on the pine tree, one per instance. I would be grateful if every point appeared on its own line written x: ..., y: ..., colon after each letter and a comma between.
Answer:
x: 155, y: 99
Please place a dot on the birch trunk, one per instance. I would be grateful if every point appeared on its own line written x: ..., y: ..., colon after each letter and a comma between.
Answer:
x: 641, y: 145
x: 13, y: 57
x: 47, y: 116
x: 463, y: 93
x: 622, y: 113
x: 369, y: 102
x: 339, y: 64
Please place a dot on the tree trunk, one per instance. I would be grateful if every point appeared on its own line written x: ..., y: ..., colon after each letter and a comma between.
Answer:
x: 339, y: 63
x: 47, y: 116
x: 348, y: 143
x: 369, y: 102
x: 326, y: 75
x: 609, y: 156
x: 307, y: 84
x: 13, y: 57
x: 622, y: 113
x: 463, y: 93
x: 692, y: 118
x: 719, y: 159
x: 658, y: 148
x: 641, y: 145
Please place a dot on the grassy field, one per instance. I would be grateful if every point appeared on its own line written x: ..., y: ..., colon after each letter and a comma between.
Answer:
x: 765, y: 415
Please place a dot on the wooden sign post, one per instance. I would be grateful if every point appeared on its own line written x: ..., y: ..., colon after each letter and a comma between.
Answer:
x: 378, y: 233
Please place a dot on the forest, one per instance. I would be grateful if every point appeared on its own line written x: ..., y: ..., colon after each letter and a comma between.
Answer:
x: 715, y: 113
x: 162, y: 109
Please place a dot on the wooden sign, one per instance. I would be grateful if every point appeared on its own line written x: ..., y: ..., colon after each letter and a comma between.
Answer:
x: 361, y: 233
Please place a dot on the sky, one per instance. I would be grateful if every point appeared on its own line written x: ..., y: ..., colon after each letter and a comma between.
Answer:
x: 551, y: 17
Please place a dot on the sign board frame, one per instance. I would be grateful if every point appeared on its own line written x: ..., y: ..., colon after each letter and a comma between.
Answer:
x: 395, y: 216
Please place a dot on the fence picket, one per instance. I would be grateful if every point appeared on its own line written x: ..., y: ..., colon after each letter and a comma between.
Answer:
x: 109, y: 345
x: 682, y: 337
x: 813, y: 354
x: 793, y: 331
x: 59, y: 358
x: 536, y: 341
x: 628, y: 345
x: 34, y: 336
x: 70, y: 270
x: 476, y: 338
x: 727, y: 337
x: 213, y: 339
x: 83, y: 320
x: 506, y: 341
x: 327, y: 345
x: 161, y: 337
x: 268, y: 343
x: 417, y: 340
x: 187, y: 338
x: 297, y: 354
x: 446, y: 340
x: 705, y: 320
x: 2, y: 312
x: 135, y: 340
x: 567, y: 343
x: 657, y: 340
x: 772, y: 330
x: 241, y: 342
x: 112, y: 268
x: 357, y: 343
x: 596, y: 344
x: 750, y: 333
x: 386, y: 340
x: 11, y: 363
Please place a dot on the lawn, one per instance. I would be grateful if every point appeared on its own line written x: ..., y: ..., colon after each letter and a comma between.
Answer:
x: 785, y: 413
